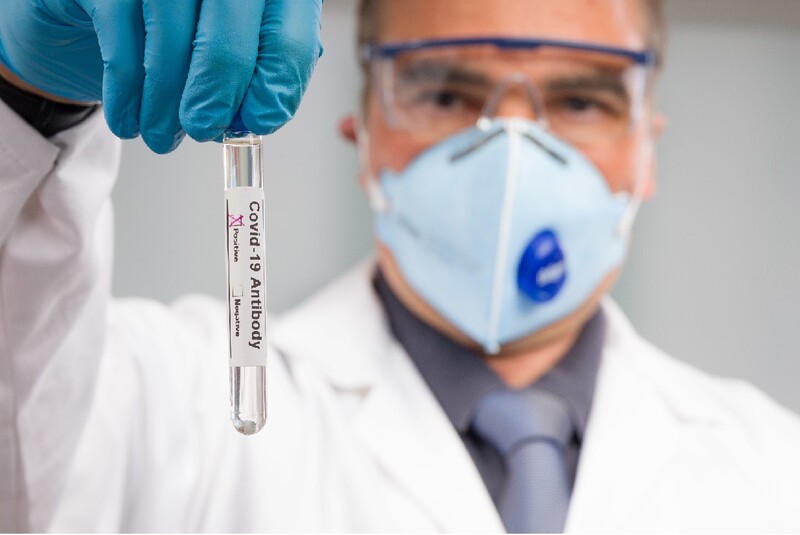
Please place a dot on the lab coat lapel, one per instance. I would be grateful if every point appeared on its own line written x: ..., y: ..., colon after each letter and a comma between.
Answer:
x: 409, y: 435
x: 632, y: 436
x: 399, y: 422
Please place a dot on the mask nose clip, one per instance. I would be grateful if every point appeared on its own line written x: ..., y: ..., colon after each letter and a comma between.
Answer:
x: 514, y: 125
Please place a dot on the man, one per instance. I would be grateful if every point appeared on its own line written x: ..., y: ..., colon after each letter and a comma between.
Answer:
x: 477, y: 380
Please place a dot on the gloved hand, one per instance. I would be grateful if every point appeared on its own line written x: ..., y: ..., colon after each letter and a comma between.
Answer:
x: 165, y: 67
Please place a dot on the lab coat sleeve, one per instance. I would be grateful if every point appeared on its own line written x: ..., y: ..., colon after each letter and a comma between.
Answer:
x: 55, y: 262
x: 158, y: 452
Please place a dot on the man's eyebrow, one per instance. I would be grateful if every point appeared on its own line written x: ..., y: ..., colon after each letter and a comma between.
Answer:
x: 602, y: 81
x: 440, y: 71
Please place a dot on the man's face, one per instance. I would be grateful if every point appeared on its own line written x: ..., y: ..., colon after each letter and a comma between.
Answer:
x: 617, y: 23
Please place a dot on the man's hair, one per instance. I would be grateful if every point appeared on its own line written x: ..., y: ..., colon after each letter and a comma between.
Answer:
x: 655, y: 33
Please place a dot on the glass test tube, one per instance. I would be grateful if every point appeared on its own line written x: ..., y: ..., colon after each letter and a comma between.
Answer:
x: 245, y: 251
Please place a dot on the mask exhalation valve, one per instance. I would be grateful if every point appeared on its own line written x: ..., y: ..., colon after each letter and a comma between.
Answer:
x: 542, y: 270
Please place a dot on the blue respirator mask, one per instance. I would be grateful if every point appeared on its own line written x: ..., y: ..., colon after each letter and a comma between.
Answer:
x: 503, y: 228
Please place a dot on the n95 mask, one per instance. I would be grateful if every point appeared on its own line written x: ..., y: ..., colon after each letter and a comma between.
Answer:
x: 503, y: 228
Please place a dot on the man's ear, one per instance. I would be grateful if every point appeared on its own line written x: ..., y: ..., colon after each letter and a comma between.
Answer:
x: 347, y: 128
x: 660, y: 123
x: 349, y: 131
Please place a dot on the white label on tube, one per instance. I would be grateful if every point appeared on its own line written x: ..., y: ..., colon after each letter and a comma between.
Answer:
x: 247, y: 311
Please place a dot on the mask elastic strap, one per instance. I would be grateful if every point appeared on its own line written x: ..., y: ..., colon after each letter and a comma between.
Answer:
x: 626, y: 220
x: 377, y: 200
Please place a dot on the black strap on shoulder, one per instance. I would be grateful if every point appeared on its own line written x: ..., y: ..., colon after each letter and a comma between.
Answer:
x: 46, y: 116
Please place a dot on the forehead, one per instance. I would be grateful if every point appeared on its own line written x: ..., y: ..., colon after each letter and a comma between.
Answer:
x: 614, y: 22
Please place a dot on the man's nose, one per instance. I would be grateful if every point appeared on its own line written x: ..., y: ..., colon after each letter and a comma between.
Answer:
x: 515, y: 106
x: 515, y: 96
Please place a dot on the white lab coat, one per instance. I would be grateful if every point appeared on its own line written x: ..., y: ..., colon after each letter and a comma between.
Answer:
x: 114, y: 416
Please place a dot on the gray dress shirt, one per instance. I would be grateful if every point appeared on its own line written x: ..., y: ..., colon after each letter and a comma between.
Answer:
x: 440, y: 360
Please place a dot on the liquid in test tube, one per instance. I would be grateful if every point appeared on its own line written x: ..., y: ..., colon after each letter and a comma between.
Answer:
x: 245, y: 251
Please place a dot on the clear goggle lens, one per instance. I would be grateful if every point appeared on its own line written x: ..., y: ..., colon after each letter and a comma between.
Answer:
x: 586, y: 97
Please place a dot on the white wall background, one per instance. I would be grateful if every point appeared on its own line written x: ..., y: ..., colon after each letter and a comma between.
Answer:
x: 713, y: 275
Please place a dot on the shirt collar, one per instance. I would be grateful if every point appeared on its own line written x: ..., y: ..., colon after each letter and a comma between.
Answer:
x: 459, y: 378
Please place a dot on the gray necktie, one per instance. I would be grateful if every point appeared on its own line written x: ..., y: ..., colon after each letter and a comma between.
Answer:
x: 530, y: 428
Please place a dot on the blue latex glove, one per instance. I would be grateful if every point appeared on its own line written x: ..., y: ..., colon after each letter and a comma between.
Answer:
x: 165, y: 67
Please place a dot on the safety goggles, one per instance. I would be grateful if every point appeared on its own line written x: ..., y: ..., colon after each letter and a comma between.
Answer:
x: 587, y: 94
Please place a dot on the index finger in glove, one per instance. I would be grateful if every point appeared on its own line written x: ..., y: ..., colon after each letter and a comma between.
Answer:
x: 287, y: 53
x: 120, y: 34
x: 223, y: 60
x: 170, y: 29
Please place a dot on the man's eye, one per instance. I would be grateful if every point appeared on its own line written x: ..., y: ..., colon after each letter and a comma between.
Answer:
x: 582, y: 105
x: 586, y: 106
x: 442, y: 99
x: 579, y: 104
